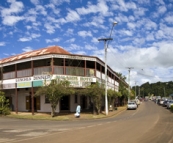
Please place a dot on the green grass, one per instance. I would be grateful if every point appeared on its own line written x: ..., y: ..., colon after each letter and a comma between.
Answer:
x: 61, y: 117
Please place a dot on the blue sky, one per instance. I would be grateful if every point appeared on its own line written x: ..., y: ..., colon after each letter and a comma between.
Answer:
x: 142, y: 39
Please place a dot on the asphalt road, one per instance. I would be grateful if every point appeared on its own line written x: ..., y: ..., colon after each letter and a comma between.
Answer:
x: 150, y: 123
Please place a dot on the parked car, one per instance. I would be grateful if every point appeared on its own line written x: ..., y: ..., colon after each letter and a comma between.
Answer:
x: 169, y: 103
x: 161, y: 102
x: 165, y: 103
x: 131, y: 105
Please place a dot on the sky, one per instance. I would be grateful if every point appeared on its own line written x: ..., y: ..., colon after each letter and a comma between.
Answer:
x: 142, y: 38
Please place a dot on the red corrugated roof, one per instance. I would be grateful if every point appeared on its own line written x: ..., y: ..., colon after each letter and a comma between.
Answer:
x: 43, y: 51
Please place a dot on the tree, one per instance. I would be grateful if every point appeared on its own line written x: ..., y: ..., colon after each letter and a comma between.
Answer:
x: 96, y: 93
x: 123, y: 88
x: 112, y: 95
x: 4, y: 104
x: 54, y: 92
x: 2, y: 99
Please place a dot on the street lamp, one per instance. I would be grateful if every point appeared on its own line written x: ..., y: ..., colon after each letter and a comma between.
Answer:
x: 105, y: 47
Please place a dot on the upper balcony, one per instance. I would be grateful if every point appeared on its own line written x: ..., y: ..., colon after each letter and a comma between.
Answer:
x: 57, y: 66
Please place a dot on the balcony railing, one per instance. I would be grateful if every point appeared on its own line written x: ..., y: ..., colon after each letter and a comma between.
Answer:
x: 24, y: 73
x: 89, y: 72
x: 98, y: 74
x: 42, y: 70
x: 74, y: 71
x: 58, y: 70
x: 9, y: 75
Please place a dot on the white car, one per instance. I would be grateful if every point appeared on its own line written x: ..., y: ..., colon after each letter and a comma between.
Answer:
x: 169, y: 103
x: 131, y: 105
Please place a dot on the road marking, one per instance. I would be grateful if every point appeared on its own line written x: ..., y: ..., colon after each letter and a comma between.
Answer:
x: 5, y: 140
x: 59, y: 130
x: 80, y: 128
x: 91, y: 126
x: 16, y: 131
x: 33, y: 134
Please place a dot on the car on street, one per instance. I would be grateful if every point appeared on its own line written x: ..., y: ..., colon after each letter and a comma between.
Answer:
x: 131, y: 105
x: 169, y: 103
x: 165, y: 103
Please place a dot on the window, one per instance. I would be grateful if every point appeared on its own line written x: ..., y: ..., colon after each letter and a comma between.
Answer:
x: 46, y: 99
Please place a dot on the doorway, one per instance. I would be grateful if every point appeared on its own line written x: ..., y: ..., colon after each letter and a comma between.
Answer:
x: 83, y: 102
x: 65, y: 103
x: 29, y: 103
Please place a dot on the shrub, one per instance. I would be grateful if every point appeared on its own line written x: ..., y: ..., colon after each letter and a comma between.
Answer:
x: 4, y: 105
x: 5, y: 111
x: 171, y: 108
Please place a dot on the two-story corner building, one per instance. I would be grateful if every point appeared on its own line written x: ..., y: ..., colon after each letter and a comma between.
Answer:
x: 22, y: 74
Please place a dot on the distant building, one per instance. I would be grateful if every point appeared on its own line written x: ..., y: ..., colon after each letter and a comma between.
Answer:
x: 21, y: 75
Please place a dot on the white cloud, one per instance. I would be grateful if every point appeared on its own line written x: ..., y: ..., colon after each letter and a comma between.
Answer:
x: 31, y: 18
x: 139, y: 12
x: 120, y: 5
x: 11, y: 20
x: 150, y: 37
x: 72, y: 16
x: 94, y: 40
x: 169, y: 19
x: 49, y: 28
x: 101, y: 7
x: 35, y: 2
x: 52, y: 40
x: 126, y: 32
x: 33, y: 35
x: 25, y: 39
x: 85, y: 33
x: 55, y: 9
x: 6, y: 54
x: 41, y: 10
x: 121, y: 18
x: 161, y: 9
x: 15, y: 7
x: 131, y: 25
x: 9, y: 16
x: 27, y: 49
x: 71, y: 40
x: 89, y: 47
x: 74, y: 47
x: 69, y: 31
x: 80, y: 53
x: 59, y: 2
x: 2, y: 44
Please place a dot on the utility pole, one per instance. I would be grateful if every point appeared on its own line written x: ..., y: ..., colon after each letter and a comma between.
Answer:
x: 106, y: 43
x: 129, y: 68
x: 105, y: 47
